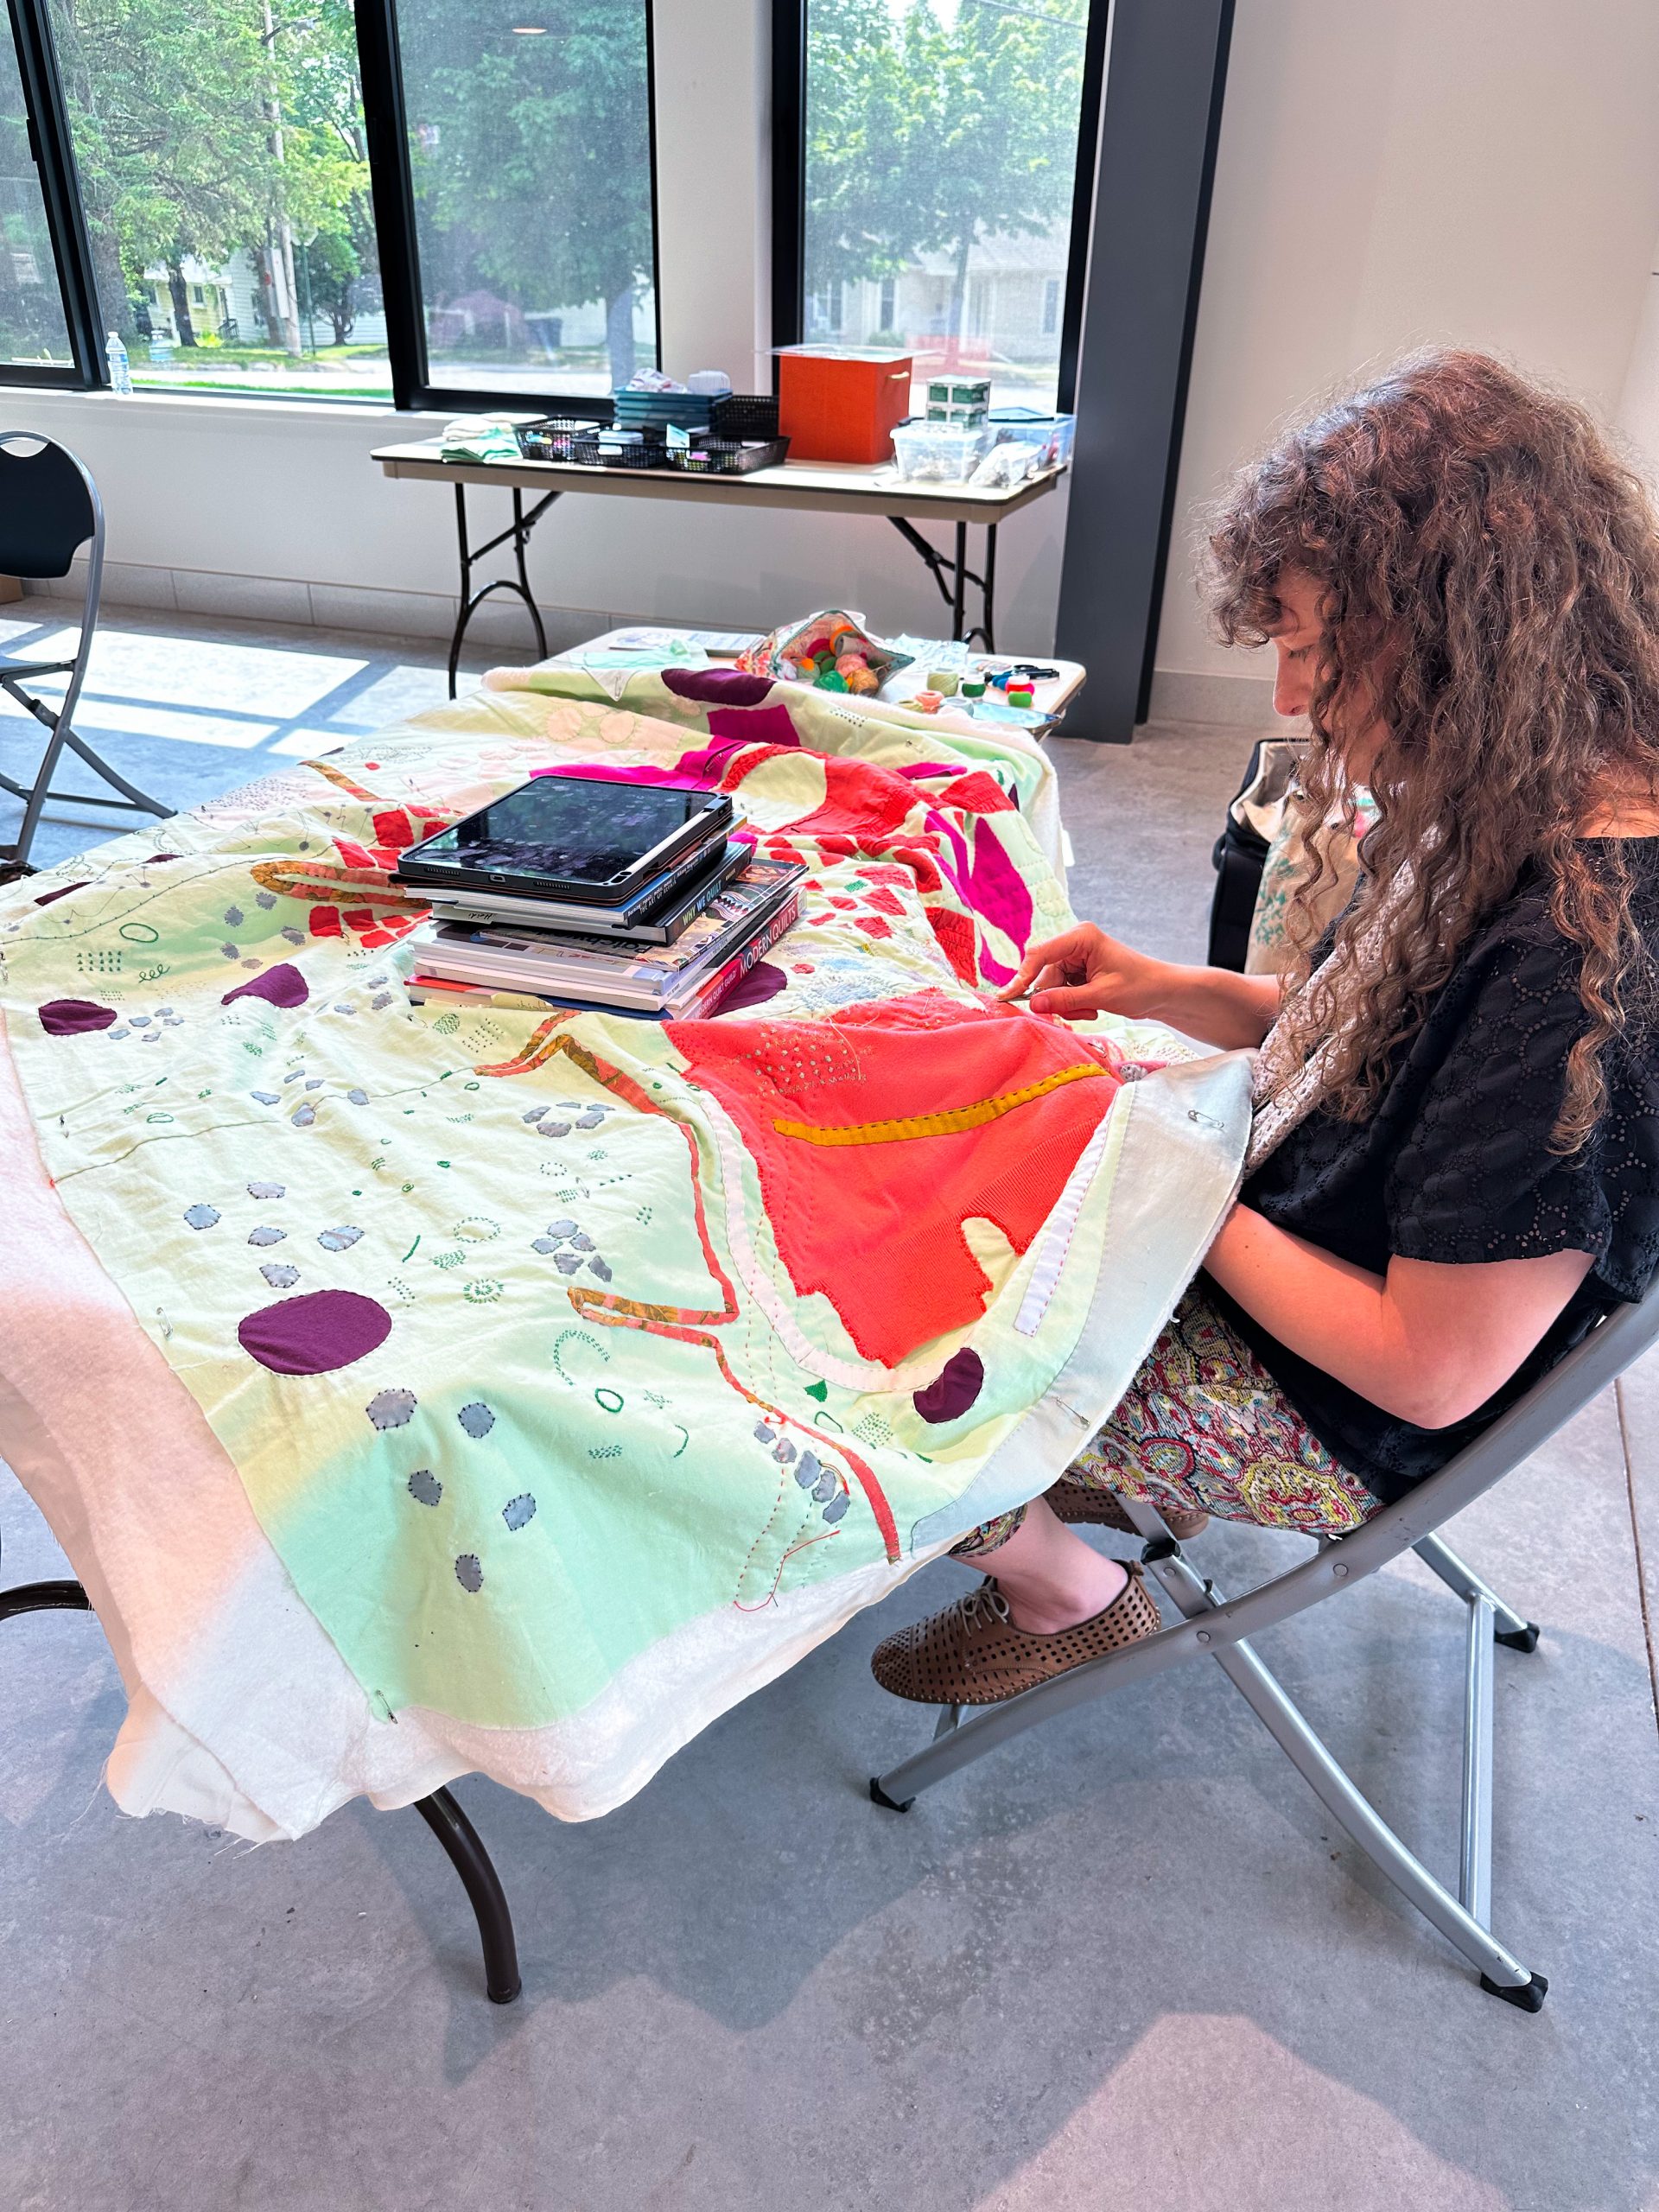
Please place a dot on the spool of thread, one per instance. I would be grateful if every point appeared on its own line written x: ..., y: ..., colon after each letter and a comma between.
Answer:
x: 1022, y: 694
x: 973, y: 687
x: 928, y: 702
x: 832, y: 680
x: 944, y: 681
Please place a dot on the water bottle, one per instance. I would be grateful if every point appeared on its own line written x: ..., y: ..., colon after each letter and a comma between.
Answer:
x: 120, y: 369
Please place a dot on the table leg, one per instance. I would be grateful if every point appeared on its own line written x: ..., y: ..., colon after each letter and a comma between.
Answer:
x: 520, y: 539
x: 954, y: 592
x: 986, y: 629
x: 518, y: 531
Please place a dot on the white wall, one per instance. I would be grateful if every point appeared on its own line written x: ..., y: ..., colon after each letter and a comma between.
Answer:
x: 1478, y: 172
x: 288, y: 492
x: 1388, y: 175
x: 1638, y: 407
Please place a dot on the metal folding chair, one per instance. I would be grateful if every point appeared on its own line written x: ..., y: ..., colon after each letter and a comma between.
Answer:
x: 49, y: 508
x: 1214, y: 1627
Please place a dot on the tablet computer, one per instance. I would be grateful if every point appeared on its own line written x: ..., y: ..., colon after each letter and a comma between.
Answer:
x: 581, y: 840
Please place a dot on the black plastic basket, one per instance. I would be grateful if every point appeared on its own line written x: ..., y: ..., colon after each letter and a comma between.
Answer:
x: 564, y: 438
x: 740, y: 416
x: 561, y: 438
x: 642, y: 455
x: 730, y: 456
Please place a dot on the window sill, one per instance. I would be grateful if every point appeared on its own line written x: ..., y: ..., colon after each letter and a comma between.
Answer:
x: 168, y: 406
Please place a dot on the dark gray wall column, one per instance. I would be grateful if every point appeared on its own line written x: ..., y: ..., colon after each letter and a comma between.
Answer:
x: 1166, y: 65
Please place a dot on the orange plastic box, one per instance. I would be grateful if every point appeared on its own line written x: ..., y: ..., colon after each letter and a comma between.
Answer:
x: 841, y: 406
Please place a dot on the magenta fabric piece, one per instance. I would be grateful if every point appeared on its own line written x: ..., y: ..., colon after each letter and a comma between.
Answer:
x: 954, y: 1389
x: 987, y: 880
x: 687, y: 776
x: 75, y: 1017
x: 315, y: 1334
x: 719, y: 686
x: 762, y: 983
x: 282, y: 985
x: 754, y: 726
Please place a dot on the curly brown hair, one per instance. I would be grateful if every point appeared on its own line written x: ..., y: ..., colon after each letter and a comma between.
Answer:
x: 1488, y: 573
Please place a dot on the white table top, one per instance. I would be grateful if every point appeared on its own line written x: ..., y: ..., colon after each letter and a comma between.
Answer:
x: 825, y: 486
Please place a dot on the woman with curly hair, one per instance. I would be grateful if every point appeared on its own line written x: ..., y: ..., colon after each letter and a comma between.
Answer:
x: 1453, y: 1169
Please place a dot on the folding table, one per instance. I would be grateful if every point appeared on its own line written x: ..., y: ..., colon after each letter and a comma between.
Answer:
x: 815, y: 487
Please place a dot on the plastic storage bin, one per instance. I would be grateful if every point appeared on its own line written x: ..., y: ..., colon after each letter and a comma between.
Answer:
x: 839, y: 404
x: 938, y: 453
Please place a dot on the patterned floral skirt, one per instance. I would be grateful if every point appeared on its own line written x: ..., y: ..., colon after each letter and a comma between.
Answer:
x: 1204, y: 1428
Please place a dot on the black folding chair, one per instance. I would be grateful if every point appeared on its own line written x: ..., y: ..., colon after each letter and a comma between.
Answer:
x: 1214, y: 1627
x: 49, y: 508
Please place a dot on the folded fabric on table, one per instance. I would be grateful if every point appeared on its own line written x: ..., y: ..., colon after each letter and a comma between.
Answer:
x: 419, y: 1390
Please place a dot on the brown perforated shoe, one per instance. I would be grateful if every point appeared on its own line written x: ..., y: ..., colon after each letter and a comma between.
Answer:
x: 1103, y: 1508
x: 972, y: 1653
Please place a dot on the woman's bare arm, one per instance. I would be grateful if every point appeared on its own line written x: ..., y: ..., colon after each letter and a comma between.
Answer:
x: 1427, y: 1342
x: 1084, y: 972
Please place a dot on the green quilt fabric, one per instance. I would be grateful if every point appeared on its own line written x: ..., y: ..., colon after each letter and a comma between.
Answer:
x: 536, y: 1340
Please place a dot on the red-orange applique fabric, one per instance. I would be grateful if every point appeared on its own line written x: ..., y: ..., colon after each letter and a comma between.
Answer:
x: 877, y: 1133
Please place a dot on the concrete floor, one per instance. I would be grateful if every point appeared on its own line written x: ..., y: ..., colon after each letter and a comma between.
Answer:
x: 1122, y: 1962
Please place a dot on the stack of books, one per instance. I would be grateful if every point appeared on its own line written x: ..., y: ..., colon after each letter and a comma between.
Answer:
x: 577, y: 891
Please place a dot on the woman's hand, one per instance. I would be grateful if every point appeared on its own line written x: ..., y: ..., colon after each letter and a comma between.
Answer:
x: 1084, y: 972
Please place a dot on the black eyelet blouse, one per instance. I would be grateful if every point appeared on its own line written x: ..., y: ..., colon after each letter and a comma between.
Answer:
x: 1455, y: 1166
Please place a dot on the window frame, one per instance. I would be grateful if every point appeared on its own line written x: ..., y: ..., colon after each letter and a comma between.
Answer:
x: 789, y: 65
x: 391, y: 190
x: 66, y: 224
x: 391, y: 187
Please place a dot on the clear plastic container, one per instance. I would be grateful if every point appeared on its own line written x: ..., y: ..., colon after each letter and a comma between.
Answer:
x: 120, y: 368
x: 1008, y: 464
x: 936, y: 453
x: 1027, y: 426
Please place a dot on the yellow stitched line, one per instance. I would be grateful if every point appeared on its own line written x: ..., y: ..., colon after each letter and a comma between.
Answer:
x: 935, y: 1125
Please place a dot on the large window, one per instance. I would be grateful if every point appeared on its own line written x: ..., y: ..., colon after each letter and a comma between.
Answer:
x: 452, y: 202
x: 32, y: 325
x: 219, y: 147
x: 530, y: 166
x: 940, y: 164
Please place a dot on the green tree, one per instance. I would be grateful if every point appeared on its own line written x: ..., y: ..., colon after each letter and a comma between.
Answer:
x: 927, y: 133
x: 164, y: 103
x: 322, y: 200
x: 531, y: 158
x: 31, y: 315
x: 200, y: 126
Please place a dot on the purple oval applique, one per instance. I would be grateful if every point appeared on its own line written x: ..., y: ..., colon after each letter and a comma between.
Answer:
x: 762, y: 983
x: 953, y: 1391
x: 310, y: 1335
x: 282, y: 985
x: 720, y: 687
x: 74, y: 1017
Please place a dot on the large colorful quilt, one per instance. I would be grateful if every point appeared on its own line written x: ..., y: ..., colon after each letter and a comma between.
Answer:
x: 516, y: 1391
